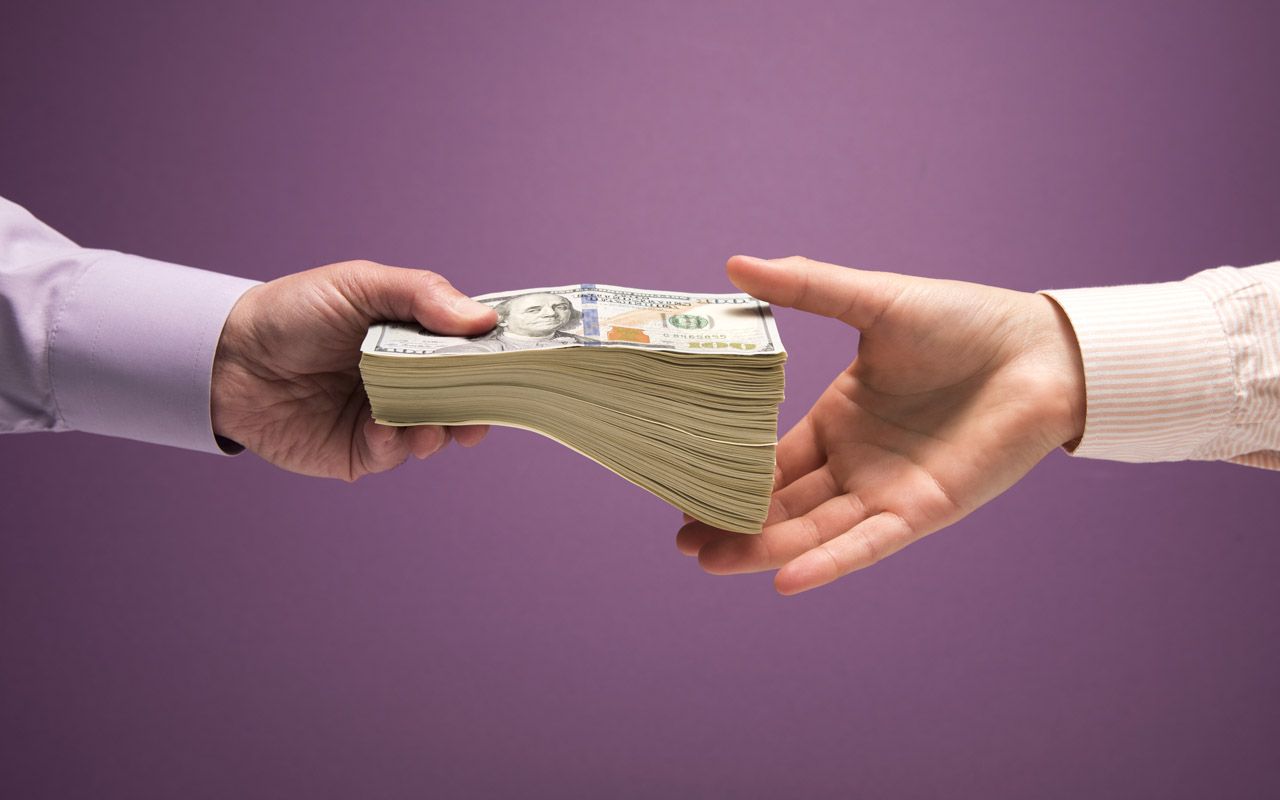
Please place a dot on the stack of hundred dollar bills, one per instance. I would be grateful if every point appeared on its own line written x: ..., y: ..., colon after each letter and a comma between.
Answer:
x: 676, y: 392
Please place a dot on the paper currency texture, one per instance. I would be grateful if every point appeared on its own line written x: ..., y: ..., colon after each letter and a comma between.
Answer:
x: 676, y: 392
x: 596, y: 314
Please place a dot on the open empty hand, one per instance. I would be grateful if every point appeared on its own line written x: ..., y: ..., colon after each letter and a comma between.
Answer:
x: 286, y: 382
x: 957, y: 390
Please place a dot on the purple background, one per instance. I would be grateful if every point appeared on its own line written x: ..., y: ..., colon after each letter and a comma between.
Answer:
x: 514, y: 620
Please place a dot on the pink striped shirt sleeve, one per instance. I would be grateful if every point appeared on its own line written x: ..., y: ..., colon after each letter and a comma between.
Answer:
x: 1185, y: 370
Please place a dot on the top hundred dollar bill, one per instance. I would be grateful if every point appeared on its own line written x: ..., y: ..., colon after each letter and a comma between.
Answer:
x: 595, y: 315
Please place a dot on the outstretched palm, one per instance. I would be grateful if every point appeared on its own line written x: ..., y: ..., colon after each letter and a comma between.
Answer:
x: 286, y: 379
x: 956, y: 392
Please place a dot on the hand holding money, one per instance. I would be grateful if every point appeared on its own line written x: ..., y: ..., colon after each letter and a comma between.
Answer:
x: 957, y: 391
x: 285, y: 377
x: 676, y: 392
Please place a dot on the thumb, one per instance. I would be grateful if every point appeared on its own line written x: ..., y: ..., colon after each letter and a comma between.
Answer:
x: 396, y: 294
x: 856, y: 297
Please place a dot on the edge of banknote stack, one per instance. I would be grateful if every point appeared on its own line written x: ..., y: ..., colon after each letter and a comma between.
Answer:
x: 677, y: 393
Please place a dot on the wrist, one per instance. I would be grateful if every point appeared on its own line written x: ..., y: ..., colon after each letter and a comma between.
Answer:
x: 232, y: 376
x: 1066, y: 403
x: 1045, y: 354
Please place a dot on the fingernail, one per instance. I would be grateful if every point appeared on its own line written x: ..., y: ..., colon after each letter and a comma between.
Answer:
x: 381, y: 435
x: 444, y: 440
x: 441, y: 440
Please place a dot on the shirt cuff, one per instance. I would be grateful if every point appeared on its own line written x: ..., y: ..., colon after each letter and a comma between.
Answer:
x: 131, y: 352
x: 1158, y: 372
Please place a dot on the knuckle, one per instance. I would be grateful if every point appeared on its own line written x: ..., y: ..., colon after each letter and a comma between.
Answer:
x: 350, y: 274
x: 356, y: 265
x: 901, y: 521
x: 766, y: 546
x: 434, y: 283
x: 810, y: 529
x: 857, y: 508
x: 780, y: 506
x: 871, y: 552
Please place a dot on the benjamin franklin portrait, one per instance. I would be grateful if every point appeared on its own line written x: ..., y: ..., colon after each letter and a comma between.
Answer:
x: 527, y: 322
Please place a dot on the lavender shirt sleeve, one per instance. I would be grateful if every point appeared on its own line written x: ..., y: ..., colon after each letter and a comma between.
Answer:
x: 103, y: 342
